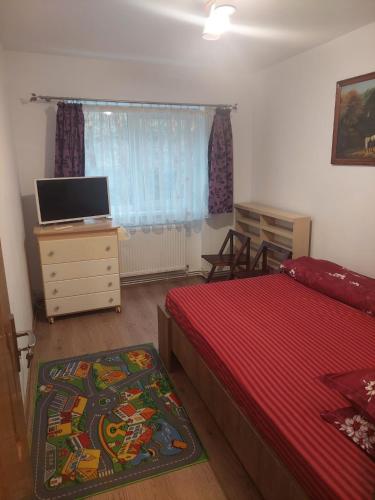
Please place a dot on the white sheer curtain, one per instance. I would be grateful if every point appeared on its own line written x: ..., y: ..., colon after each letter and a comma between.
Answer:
x: 155, y: 159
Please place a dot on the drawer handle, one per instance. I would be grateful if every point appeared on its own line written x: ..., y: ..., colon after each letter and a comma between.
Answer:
x: 111, y: 300
x: 51, y: 253
x: 55, y: 291
x: 108, y: 248
x: 110, y: 284
x: 53, y: 274
x: 56, y: 308
x: 109, y: 268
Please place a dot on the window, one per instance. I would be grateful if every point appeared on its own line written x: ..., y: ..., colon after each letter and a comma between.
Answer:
x: 155, y: 159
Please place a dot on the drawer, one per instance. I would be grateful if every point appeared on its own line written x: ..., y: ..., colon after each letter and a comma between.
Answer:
x: 66, y: 305
x: 83, y: 269
x: 77, y: 249
x: 80, y: 286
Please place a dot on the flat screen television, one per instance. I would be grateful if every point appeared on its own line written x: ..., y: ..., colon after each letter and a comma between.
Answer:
x: 71, y: 198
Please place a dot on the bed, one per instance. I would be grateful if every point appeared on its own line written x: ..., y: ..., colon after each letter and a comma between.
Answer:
x: 254, y: 349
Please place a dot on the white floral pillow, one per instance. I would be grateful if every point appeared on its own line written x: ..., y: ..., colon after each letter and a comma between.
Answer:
x: 356, y: 386
x: 354, y: 426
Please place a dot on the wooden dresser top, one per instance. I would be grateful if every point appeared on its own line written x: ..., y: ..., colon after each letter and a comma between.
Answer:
x: 99, y: 225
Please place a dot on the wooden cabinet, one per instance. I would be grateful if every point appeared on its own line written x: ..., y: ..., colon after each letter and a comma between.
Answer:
x: 81, y: 286
x: 79, y: 303
x: 288, y: 230
x: 80, y: 267
x: 72, y: 249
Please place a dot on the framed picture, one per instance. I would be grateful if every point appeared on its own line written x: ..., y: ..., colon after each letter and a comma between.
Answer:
x: 354, y: 127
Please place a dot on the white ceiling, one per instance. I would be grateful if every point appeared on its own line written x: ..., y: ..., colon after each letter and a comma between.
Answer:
x: 263, y: 31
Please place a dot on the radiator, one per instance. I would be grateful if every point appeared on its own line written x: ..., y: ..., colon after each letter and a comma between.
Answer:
x: 152, y: 251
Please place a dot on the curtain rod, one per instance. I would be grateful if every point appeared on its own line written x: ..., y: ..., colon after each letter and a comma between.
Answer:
x: 47, y: 98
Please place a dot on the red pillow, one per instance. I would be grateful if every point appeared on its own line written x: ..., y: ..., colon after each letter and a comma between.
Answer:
x: 354, y: 426
x: 357, y: 386
x: 335, y: 281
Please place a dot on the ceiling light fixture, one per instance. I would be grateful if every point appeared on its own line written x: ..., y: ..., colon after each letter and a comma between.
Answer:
x: 218, y: 21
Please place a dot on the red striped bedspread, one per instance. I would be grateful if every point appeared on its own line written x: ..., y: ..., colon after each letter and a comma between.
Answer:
x: 267, y: 339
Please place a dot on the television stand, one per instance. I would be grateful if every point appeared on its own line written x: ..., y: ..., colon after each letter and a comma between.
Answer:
x: 80, y: 267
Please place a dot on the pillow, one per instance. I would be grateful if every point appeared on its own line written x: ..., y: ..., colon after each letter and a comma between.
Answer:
x: 354, y: 426
x: 333, y: 280
x: 357, y: 386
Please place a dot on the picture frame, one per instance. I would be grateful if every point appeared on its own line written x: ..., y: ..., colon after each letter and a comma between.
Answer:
x: 353, y: 141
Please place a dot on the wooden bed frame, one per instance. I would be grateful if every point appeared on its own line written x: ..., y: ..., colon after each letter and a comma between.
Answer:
x: 269, y: 474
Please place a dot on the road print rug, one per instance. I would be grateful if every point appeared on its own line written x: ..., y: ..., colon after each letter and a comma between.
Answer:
x: 105, y: 420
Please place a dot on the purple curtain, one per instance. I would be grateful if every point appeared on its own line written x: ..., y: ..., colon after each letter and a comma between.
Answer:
x: 220, y: 164
x: 70, y: 141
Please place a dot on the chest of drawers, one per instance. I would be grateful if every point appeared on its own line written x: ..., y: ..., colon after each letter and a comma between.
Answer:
x: 80, y: 267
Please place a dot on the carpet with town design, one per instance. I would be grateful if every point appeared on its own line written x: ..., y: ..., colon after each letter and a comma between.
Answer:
x: 105, y: 420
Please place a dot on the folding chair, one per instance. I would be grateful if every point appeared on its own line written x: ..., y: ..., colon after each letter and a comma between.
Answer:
x: 239, y: 255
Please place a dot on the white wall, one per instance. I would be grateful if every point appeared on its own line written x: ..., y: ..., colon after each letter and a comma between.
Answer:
x: 34, y: 124
x: 11, y: 225
x: 282, y: 135
x: 293, y: 120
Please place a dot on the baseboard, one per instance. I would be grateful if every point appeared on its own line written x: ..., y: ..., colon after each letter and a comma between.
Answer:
x: 165, y: 276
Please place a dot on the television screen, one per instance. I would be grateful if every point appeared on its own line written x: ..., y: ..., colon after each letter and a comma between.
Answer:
x: 71, y: 198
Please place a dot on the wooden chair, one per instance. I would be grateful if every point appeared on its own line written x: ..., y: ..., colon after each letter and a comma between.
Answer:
x: 262, y: 253
x: 239, y: 254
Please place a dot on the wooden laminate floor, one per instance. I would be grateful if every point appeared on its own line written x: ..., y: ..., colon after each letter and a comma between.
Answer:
x: 222, y: 477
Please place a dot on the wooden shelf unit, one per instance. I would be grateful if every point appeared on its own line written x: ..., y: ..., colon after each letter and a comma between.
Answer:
x: 288, y: 230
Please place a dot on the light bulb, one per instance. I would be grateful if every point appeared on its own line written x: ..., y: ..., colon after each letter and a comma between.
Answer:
x: 218, y: 21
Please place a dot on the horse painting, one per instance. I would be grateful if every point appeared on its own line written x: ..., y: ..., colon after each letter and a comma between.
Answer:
x: 370, y: 144
x: 354, y: 126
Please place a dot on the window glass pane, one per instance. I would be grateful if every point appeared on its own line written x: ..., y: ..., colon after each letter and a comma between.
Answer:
x: 155, y: 159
